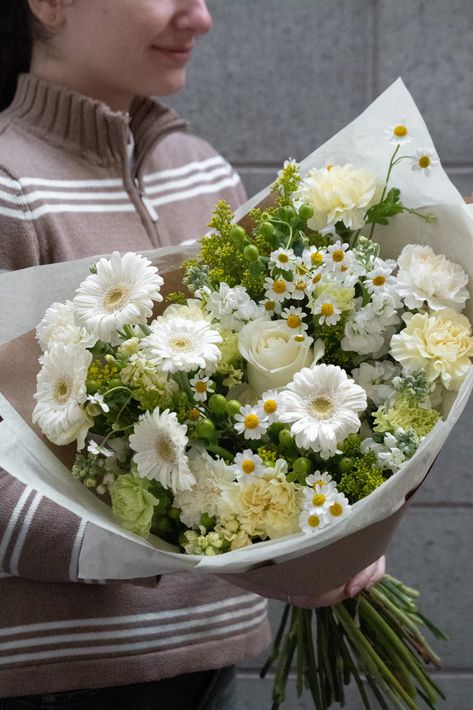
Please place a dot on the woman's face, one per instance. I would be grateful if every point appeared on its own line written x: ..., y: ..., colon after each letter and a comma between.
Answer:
x: 113, y: 50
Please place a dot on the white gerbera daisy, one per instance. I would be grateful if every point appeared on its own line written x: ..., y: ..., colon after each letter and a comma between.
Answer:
x: 160, y: 445
x: 61, y: 392
x: 283, y: 259
x: 312, y: 520
x: 322, y: 404
x: 182, y: 345
x: 121, y: 292
x: 58, y: 325
x: 252, y: 422
x: 327, y: 310
x: 424, y: 160
x: 399, y: 133
x: 201, y: 386
x: 248, y: 466
x: 269, y: 404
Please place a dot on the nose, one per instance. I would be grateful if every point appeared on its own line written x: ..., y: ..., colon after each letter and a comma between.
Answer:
x: 194, y: 16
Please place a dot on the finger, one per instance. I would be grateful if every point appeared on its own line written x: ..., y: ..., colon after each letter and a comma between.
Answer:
x: 334, y: 596
x: 360, y: 580
x: 378, y: 572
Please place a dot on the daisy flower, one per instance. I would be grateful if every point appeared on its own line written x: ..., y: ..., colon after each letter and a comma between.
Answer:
x: 424, y: 160
x: 248, y: 466
x: 314, y: 281
x: 399, y: 133
x: 339, y: 256
x: 318, y: 480
x: 314, y: 257
x: 252, y: 422
x: 299, y: 288
x: 278, y: 289
x: 293, y: 317
x: 269, y: 306
x: 320, y: 498
x: 269, y: 404
x: 61, y: 392
x: 201, y: 387
x: 322, y: 404
x: 379, y: 279
x: 159, y: 443
x: 121, y: 292
x: 339, y: 506
x: 327, y: 309
x: 182, y: 345
x: 283, y: 259
x: 313, y: 520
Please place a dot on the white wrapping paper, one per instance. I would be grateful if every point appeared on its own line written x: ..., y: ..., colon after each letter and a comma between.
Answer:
x: 111, y: 552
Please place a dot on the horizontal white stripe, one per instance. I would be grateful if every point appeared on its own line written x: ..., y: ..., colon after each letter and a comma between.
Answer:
x: 184, y: 169
x: 106, y: 182
x: 159, y: 630
x: 45, y: 195
x: 191, y: 180
x: 12, y: 522
x: 194, y: 192
x: 16, y: 554
x: 137, y: 646
x: 130, y: 618
x: 54, y: 209
x: 8, y: 182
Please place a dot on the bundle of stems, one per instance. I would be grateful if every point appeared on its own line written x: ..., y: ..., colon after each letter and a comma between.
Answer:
x: 374, y: 640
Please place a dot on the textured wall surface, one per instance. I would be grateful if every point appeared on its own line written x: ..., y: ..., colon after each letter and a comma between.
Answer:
x: 275, y: 79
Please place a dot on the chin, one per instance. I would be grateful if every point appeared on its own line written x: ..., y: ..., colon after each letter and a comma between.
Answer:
x: 164, y: 86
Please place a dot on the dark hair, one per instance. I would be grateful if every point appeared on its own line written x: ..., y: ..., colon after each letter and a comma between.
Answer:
x: 16, y: 42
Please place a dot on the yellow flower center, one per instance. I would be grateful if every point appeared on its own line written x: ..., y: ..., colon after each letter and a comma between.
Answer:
x: 299, y: 338
x: 165, y: 449
x: 300, y: 285
x: 316, y: 278
x: 400, y: 131
x: 316, y: 258
x: 251, y: 421
x: 336, y: 509
x: 424, y: 161
x: 201, y: 386
x: 327, y: 309
x: 283, y: 258
x: 269, y: 306
x: 344, y: 268
x: 62, y: 389
x: 270, y: 406
x: 318, y: 499
x: 293, y: 321
x: 180, y: 343
x: 248, y: 466
x: 378, y: 280
x: 329, y: 166
x: 318, y: 483
x: 338, y: 255
x: 194, y: 414
x: 313, y: 521
x: 279, y: 286
x: 116, y: 297
x: 320, y: 407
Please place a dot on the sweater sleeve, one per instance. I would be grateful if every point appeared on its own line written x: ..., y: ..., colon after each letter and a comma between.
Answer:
x: 19, y: 246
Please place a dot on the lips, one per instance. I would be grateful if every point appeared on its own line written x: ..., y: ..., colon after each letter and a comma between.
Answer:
x: 177, y: 53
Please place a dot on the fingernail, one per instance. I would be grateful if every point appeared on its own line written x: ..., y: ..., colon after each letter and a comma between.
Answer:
x: 355, y: 590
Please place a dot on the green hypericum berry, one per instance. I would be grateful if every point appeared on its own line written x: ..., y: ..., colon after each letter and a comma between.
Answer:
x: 92, y: 386
x: 115, y: 383
x: 345, y: 464
x: 233, y: 407
x: 266, y: 229
x: 251, y: 252
x: 237, y: 232
x: 205, y: 428
x: 306, y: 212
x: 164, y: 503
x: 285, y: 438
x: 290, y: 213
x: 302, y: 466
x: 180, y: 399
x: 162, y: 524
x: 218, y: 404
x: 174, y: 513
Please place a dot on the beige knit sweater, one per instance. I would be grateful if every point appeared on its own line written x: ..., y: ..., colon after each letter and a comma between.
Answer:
x: 69, y: 190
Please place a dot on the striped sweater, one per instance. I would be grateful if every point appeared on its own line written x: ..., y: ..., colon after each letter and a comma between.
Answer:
x: 68, y: 189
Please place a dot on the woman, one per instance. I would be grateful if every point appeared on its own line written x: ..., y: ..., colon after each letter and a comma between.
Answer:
x: 89, y: 164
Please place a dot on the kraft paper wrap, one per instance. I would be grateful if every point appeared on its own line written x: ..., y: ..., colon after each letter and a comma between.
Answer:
x: 295, y: 565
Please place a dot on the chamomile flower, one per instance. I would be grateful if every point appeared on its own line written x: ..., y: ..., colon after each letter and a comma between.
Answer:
x: 299, y: 288
x: 159, y: 443
x: 314, y: 281
x: 283, y: 259
x: 339, y: 506
x: 318, y: 480
x: 424, y: 160
x: 314, y: 257
x: 319, y: 498
x: 179, y: 344
x: 339, y: 256
x: 277, y: 289
x: 201, y: 386
x: 248, y: 466
x: 252, y: 422
x: 121, y: 292
x: 326, y: 309
x: 322, y: 405
x: 269, y: 404
x: 399, y: 133
x: 379, y: 279
x: 293, y: 317
x: 269, y: 306
x: 312, y: 520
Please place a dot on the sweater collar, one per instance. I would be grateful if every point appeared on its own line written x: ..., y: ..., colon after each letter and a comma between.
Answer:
x: 88, y: 127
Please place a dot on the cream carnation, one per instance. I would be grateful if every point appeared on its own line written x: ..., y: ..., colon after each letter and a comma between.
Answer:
x: 269, y: 507
x: 339, y: 193
x: 428, y: 277
x: 439, y: 343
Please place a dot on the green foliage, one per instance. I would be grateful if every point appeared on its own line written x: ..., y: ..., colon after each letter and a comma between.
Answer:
x: 177, y: 297
x: 388, y: 207
x: 287, y: 183
x: 363, y: 478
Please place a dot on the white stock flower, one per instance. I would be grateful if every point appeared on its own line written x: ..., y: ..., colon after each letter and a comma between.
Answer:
x: 58, y: 326
x: 322, y: 406
x: 273, y: 353
x: 339, y: 193
x: 159, y: 443
x: 376, y: 379
x: 233, y: 307
x: 182, y: 345
x: 121, y: 292
x: 426, y: 277
x: 61, y: 394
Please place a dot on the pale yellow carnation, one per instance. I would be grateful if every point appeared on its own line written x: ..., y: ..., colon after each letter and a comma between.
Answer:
x: 268, y: 508
x: 440, y: 343
x: 339, y: 193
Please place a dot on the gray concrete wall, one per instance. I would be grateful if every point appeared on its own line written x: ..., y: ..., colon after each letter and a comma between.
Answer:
x: 275, y: 78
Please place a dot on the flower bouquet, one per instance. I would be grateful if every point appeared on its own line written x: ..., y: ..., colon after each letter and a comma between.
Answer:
x: 271, y: 420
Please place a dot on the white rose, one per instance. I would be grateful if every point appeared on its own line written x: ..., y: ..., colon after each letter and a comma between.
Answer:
x: 273, y: 353
x: 339, y: 193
